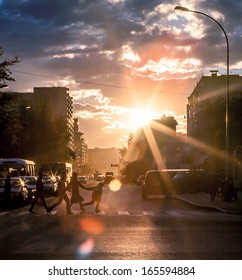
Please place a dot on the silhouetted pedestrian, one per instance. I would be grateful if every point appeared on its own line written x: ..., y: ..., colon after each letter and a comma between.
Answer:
x: 75, y: 194
x: 62, y: 194
x: 96, y: 196
x: 214, y: 184
x: 39, y: 197
x: 7, y: 190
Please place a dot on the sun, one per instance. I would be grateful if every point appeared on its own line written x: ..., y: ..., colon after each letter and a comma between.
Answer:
x: 141, y: 118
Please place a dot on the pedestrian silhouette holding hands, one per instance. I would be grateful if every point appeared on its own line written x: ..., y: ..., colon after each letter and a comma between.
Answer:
x: 75, y: 195
x: 39, y: 194
x: 96, y: 196
x: 62, y: 194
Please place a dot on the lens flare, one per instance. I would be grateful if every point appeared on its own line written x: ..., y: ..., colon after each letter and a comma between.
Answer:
x: 91, y: 225
x: 115, y: 185
x: 86, y: 247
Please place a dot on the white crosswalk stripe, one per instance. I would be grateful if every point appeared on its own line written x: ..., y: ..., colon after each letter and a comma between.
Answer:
x: 148, y: 213
x: 173, y: 213
x: 3, y: 213
x: 110, y: 212
x: 123, y: 213
x: 22, y: 213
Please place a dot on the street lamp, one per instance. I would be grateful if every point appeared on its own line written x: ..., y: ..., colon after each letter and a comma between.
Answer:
x: 183, y: 9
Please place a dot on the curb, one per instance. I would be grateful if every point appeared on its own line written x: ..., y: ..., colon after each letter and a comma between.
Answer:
x: 208, y: 207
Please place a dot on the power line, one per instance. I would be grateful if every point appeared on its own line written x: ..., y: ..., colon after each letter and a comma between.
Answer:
x: 96, y: 84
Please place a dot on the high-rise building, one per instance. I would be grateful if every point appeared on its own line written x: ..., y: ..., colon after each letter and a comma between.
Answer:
x: 59, y: 101
x: 80, y: 148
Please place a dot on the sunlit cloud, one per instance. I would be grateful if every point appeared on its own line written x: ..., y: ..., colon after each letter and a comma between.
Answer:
x: 169, y: 68
x: 93, y: 96
x: 128, y: 56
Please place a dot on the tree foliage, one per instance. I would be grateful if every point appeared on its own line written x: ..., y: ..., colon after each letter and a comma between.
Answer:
x: 29, y: 132
x: 5, y: 73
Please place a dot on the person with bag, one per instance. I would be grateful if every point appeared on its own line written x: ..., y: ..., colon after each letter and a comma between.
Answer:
x: 39, y: 197
x: 75, y: 194
x: 62, y: 194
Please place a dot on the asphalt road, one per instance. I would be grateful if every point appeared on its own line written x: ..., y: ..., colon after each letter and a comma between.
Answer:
x: 127, y: 228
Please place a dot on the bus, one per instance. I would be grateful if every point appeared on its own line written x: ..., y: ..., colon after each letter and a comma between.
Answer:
x: 17, y: 167
x: 56, y: 168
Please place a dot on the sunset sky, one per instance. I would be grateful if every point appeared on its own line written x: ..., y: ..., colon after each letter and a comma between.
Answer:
x: 125, y: 62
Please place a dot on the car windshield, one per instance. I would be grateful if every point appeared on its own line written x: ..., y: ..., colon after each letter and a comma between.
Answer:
x: 30, y: 181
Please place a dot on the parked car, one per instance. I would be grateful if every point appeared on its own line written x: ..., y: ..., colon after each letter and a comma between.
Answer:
x: 141, y: 180
x: 192, y: 182
x: 19, y: 192
x: 82, y: 179
x: 157, y: 182
x: 30, y: 183
x: 50, y: 186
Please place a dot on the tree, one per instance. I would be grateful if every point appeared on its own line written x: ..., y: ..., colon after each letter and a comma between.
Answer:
x: 5, y: 73
x: 10, y: 124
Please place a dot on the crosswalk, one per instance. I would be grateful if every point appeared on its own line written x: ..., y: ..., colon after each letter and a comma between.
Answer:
x: 133, y: 213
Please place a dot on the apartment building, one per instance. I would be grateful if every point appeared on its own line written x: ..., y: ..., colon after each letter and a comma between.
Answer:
x: 80, y: 148
x: 206, y: 110
x: 59, y: 101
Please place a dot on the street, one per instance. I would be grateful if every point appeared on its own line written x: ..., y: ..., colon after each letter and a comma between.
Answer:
x: 127, y: 228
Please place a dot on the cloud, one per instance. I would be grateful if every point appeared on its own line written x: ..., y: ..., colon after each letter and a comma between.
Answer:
x: 119, y: 55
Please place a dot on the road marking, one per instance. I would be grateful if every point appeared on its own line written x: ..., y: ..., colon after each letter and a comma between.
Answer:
x: 22, y: 213
x: 136, y: 213
x: 111, y: 212
x: 3, y: 213
x: 53, y: 212
x: 148, y: 213
x: 173, y: 213
x: 102, y: 213
x: 123, y: 213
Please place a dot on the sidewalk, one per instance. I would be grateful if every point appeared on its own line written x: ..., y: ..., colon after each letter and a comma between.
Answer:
x: 203, y: 200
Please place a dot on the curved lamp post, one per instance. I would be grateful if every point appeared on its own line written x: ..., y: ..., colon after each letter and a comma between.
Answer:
x: 183, y: 9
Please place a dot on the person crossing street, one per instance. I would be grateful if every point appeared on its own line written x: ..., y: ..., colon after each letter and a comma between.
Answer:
x: 62, y: 194
x: 39, y: 194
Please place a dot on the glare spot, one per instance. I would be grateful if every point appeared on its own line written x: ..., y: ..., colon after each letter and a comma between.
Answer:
x: 115, y: 185
x: 91, y: 225
x: 86, y: 247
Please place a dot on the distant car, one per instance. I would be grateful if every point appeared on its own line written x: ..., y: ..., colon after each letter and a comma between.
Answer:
x: 19, y: 192
x: 82, y: 179
x: 50, y: 186
x: 140, y: 180
x: 157, y: 182
x: 109, y: 176
x: 192, y: 182
x: 30, y: 183
x: 100, y: 178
